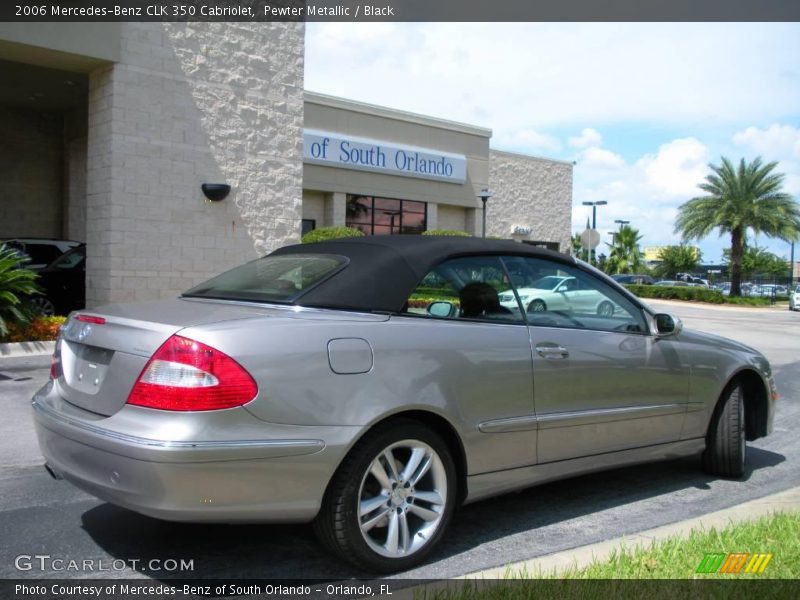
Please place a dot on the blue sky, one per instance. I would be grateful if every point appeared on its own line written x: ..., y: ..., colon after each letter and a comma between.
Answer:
x: 642, y: 108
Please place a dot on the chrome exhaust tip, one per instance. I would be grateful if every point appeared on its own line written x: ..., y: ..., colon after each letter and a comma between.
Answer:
x: 52, y: 473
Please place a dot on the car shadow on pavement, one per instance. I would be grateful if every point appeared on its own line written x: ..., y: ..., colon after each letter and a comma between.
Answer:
x: 292, y: 552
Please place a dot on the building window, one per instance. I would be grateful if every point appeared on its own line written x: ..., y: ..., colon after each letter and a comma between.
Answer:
x: 308, y: 225
x: 386, y: 216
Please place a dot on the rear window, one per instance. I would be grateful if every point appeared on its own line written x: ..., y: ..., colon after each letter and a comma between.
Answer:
x: 279, y: 279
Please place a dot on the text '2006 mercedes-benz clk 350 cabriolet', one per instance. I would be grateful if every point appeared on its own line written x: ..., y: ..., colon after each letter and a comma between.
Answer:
x: 370, y: 386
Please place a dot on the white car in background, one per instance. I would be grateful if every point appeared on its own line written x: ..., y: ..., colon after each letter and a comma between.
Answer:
x: 794, y: 299
x: 557, y: 293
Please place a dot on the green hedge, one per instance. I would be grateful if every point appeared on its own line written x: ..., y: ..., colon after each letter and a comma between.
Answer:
x: 693, y: 294
x: 330, y: 233
x: 696, y: 294
x: 453, y: 232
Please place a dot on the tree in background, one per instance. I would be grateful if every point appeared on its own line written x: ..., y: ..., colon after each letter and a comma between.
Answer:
x: 758, y: 261
x: 750, y: 197
x: 677, y: 259
x: 625, y: 255
x: 576, y: 245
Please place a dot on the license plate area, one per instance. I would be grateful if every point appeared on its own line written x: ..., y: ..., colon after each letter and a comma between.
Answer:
x: 84, y: 366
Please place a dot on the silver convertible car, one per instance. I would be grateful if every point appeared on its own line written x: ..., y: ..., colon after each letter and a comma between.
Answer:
x: 371, y: 386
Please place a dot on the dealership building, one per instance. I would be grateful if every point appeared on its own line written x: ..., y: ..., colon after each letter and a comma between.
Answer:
x: 111, y: 129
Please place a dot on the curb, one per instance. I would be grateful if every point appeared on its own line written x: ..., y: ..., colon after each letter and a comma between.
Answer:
x: 11, y: 350
x: 780, y: 307
x: 583, y: 556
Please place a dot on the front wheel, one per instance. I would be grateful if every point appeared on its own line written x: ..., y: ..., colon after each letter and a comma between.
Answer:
x: 537, y: 306
x: 391, y: 500
x: 726, y: 446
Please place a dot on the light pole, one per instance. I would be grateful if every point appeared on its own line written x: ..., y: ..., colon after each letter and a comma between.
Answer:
x: 484, y: 196
x: 594, y: 206
x: 622, y: 223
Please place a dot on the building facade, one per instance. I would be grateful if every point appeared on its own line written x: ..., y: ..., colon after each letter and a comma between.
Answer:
x: 112, y: 128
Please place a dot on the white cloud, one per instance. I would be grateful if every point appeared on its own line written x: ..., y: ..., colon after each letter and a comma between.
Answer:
x: 775, y: 142
x: 677, y: 167
x: 512, y: 76
x: 529, y: 140
x: 588, y: 137
x: 600, y: 158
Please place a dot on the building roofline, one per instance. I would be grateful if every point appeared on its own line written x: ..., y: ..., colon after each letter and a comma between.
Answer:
x: 534, y: 157
x: 393, y: 113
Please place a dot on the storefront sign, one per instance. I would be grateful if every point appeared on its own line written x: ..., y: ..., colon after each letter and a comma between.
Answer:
x: 347, y: 152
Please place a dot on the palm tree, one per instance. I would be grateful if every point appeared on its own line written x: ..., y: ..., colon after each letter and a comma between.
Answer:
x: 15, y: 284
x: 750, y: 197
x: 625, y: 255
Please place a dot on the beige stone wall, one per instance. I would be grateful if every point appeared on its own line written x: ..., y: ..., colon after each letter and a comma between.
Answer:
x: 314, y: 207
x: 452, y: 217
x: 529, y: 191
x: 30, y: 169
x: 190, y: 103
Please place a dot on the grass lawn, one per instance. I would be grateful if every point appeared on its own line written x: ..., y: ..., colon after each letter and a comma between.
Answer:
x: 665, y: 569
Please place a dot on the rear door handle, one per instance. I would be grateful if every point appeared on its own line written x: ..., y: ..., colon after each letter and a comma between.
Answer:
x: 551, y: 352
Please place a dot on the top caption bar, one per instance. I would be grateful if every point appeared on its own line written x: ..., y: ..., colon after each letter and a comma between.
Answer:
x: 400, y: 10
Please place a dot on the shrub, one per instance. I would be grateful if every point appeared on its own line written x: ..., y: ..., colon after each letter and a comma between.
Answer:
x: 330, y: 233
x: 696, y: 294
x: 15, y: 283
x: 452, y: 232
x: 692, y: 294
x: 39, y: 329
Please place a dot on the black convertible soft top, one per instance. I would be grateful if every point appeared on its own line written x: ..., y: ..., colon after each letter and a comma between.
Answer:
x: 383, y: 270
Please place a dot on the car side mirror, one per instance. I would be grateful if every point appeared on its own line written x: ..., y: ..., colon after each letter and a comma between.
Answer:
x: 442, y: 308
x: 668, y: 325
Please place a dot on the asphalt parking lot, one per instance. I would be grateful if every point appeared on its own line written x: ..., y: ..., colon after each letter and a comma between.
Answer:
x: 40, y: 515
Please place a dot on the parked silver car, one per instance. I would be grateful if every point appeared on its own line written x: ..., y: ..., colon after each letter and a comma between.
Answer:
x: 371, y: 385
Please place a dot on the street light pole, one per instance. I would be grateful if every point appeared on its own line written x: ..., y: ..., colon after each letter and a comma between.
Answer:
x: 484, y: 196
x: 621, y: 222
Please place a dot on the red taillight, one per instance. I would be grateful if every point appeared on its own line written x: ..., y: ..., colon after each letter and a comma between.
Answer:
x: 53, y: 367
x: 90, y: 319
x: 185, y: 374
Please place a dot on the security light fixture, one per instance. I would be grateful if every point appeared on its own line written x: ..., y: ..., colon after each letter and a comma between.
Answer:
x: 215, y: 191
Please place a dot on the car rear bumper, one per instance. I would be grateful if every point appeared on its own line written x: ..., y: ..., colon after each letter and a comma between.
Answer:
x: 278, y: 476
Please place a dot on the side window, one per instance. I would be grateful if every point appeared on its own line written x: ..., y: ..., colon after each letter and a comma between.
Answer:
x: 468, y: 288
x: 557, y: 295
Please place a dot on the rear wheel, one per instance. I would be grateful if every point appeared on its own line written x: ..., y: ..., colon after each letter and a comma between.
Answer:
x: 726, y: 446
x: 391, y: 500
x: 606, y: 309
x: 43, y: 306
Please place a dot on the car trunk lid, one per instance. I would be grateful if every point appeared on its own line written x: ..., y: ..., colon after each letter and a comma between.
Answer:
x: 102, y: 357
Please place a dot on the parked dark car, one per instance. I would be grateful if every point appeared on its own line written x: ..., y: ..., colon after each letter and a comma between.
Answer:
x: 40, y: 252
x: 64, y: 284
x: 631, y: 278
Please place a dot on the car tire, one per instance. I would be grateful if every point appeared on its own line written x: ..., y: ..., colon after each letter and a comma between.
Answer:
x: 726, y: 447
x: 606, y: 309
x: 537, y: 306
x: 372, y: 513
x: 43, y: 306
